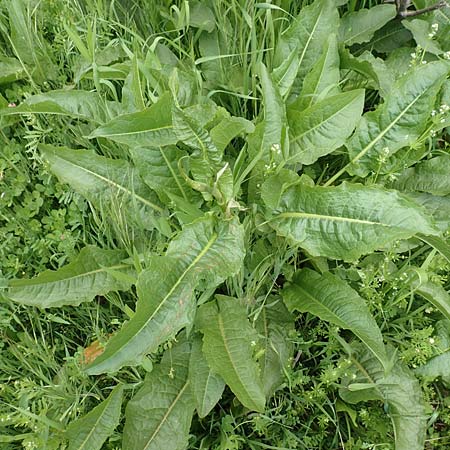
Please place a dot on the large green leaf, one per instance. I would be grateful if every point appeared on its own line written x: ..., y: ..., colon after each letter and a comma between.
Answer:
x: 91, y: 273
x: 107, y: 183
x: 333, y: 300
x: 323, y: 127
x: 227, y: 344
x: 275, y: 122
x: 432, y: 176
x: 207, y: 387
x: 399, y: 390
x: 274, y: 324
x: 158, y: 167
x: 76, y: 104
x: 360, y: 26
x: 268, y: 146
x: 150, y: 127
x: 204, y: 249
x: 323, y: 79
x: 91, y: 431
x: 397, y: 122
x: 347, y: 221
x: 297, y: 48
x: 159, y: 416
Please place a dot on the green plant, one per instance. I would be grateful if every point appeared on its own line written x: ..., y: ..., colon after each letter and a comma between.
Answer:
x: 272, y: 192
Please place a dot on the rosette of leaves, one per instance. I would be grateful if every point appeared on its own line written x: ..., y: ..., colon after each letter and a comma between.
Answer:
x: 219, y: 195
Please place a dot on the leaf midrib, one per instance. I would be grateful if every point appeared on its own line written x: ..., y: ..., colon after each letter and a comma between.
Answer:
x: 172, y: 172
x: 343, y: 108
x: 34, y: 282
x: 303, y: 215
x: 148, y: 130
x: 341, y: 321
x: 166, y: 415
x: 107, y: 403
x: 102, y: 358
x: 112, y: 183
x: 227, y: 350
x: 306, y: 47
x: 378, y: 138
x: 366, y: 29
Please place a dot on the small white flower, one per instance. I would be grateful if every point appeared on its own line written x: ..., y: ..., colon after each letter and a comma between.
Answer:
x: 447, y: 55
x: 276, y: 148
x: 444, y: 108
x: 431, y: 341
x: 424, y: 62
x: 435, y: 26
x: 431, y: 35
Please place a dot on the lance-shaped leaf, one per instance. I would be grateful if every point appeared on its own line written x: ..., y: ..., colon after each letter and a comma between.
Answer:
x: 203, y: 250
x: 150, y: 127
x: 206, y: 386
x: 274, y: 324
x: 275, y: 122
x: 297, y: 48
x: 432, y: 176
x: 360, y: 26
x: 91, y: 273
x: 76, y: 104
x: 91, y: 431
x: 227, y: 346
x: 269, y: 144
x: 333, y: 300
x: 322, y: 128
x: 399, y: 121
x: 347, y: 221
x: 323, y: 79
x: 399, y: 390
x: 107, y: 183
x: 159, y: 416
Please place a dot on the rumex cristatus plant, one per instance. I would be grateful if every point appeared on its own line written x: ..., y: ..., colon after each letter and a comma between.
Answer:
x: 247, y: 188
